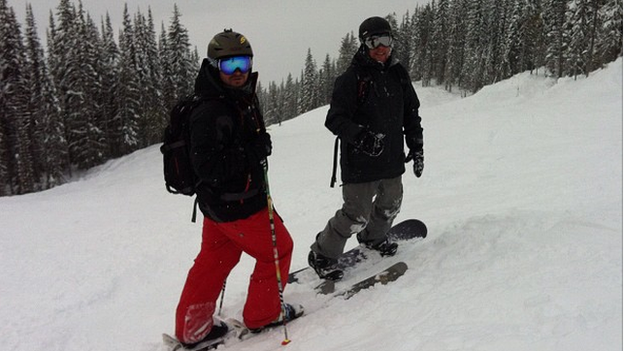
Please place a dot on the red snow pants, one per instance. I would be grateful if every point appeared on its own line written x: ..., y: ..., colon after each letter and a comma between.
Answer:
x: 221, y: 249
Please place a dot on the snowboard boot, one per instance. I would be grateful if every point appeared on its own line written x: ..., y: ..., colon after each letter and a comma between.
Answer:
x: 215, y: 337
x: 385, y: 248
x: 325, y: 267
x: 291, y: 312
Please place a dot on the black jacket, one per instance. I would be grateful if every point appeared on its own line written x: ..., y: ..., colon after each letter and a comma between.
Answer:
x: 390, y: 106
x: 232, y: 183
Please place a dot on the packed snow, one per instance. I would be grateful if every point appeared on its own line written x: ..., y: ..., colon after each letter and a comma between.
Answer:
x: 522, y: 194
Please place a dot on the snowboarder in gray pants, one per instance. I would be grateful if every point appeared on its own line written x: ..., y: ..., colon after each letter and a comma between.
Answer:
x: 373, y: 107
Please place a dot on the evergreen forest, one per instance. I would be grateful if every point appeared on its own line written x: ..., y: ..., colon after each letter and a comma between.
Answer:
x: 96, y: 93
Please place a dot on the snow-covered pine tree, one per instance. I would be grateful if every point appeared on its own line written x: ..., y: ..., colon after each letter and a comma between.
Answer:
x: 440, y: 41
x: 404, y: 44
x: 476, y: 42
x: 309, y: 93
x: 290, y: 98
x: 109, y: 60
x: 348, y: 46
x: 579, y: 17
x: 426, y: 46
x: 128, y: 91
x: 49, y: 148
x: 609, y: 43
x: 57, y: 145
x: 457, y: 44
x: 556, y: 36
x: 15, y: 118
x: 35, y: 68
x: 62, y: 44
x: 153, y: 116
x: 91, y: 146
x: 326, y: 80
x: 183, y: 69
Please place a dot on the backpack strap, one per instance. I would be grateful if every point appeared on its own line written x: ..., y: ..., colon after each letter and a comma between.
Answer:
x: 194, y: 215
x: 364, y: 82
x: 201, y: 99
x: 333, y: 177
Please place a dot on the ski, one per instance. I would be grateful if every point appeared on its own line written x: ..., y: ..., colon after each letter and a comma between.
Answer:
x: 390, y: 274
x: 236, y: 331
x: 172, y: 344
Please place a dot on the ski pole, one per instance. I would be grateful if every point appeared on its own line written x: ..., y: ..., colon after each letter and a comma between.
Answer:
x: 278, y: 273
x: 222, y: 297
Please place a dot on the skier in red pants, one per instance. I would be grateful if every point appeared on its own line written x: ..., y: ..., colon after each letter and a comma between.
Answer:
x: 229, y: 148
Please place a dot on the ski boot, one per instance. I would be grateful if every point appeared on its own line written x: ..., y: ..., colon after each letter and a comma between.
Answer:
x: 291, y: 312
x: 212, y: 340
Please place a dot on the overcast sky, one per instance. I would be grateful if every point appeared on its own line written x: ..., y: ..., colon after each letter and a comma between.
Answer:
x: 280, y: 31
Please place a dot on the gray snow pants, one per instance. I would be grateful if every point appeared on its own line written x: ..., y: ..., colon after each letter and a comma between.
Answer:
x: 368, y: 211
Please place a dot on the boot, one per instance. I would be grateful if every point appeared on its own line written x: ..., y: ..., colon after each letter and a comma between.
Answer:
x: 291, y: 312
x: 325, y: 267
x: 215, y: 336
x: 385, y: 248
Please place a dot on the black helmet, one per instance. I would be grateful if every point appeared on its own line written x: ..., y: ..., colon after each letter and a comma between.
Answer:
x: 374, y: 25
x: 228, y: 43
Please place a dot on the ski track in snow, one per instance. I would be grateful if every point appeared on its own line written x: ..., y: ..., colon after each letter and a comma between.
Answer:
x: 522, y: 194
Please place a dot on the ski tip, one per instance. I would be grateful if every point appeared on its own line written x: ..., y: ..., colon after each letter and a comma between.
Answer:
x: 401, y: 267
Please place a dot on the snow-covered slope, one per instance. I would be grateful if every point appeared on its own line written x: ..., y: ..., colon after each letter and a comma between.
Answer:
x: 522, y: 193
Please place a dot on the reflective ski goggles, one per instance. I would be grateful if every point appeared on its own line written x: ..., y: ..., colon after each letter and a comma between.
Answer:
x: 375, y: 40
x: 231, y: 64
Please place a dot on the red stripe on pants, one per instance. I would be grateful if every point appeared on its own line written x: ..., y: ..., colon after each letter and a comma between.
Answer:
x: 221, y: 249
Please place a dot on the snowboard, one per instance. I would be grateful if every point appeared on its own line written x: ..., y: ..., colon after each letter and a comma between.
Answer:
x: 384, y: 277
x: 405, y: 230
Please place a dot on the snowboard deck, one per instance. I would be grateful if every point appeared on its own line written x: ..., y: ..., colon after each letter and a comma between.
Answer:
x: 405, y: 230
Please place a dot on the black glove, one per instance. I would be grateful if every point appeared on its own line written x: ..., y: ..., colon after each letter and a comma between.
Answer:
x: 260, y: 147
x: 419, y: 160
x: 370, y: 143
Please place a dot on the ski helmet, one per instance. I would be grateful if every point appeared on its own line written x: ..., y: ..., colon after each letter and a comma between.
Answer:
x: 374, y: 25
x: 228, y: 43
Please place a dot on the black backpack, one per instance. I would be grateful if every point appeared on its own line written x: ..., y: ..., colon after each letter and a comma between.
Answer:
x: 179, y: 175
